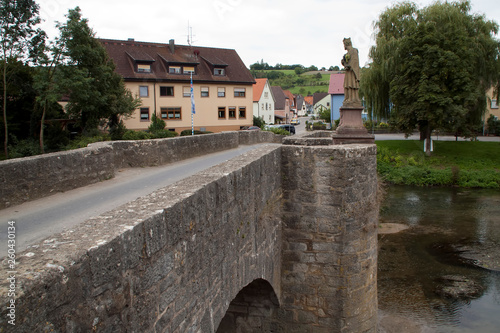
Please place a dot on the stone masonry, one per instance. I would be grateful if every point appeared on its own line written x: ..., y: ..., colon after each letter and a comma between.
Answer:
x: 280, y: 239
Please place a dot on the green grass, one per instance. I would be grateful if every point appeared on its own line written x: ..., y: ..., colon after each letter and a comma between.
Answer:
x: 463, y: 163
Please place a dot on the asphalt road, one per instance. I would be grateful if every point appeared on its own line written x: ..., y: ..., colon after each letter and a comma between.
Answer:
x: 41, y: 218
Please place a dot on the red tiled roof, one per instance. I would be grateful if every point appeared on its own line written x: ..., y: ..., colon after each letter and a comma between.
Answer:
x: 336, y: 84
x: 258, y: 87
x: 308, y: 100
x: 160, y: 56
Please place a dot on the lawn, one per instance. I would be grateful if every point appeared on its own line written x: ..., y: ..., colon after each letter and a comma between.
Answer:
x: 463, y: 163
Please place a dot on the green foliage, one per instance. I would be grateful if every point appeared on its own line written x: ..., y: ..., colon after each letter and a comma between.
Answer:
x: 277, y: 130
x: 95, y: 90
x: 325, y: 115
x: 84, y: 141
x: 318, y: 126
x: 23, y: 148
x: 18, y: 38
x: 157, y: 124
x: 196, y: 132
x: 431, y: 67
x: 464, y: 164
x: 493, y: 125
x: 258, y: 121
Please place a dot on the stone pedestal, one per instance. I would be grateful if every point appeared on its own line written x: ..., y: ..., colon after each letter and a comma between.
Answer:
x: 351, y: 129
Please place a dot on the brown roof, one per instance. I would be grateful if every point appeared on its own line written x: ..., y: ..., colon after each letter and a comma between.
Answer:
x: 279, y: 98
x: 126, y: 54
x: 289, y: 94
x: 318, y: 97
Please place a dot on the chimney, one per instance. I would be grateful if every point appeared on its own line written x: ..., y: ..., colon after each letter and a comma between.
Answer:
x: 171, y: 45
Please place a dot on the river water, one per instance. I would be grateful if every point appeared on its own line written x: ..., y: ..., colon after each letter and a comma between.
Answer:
x: 412, y: 262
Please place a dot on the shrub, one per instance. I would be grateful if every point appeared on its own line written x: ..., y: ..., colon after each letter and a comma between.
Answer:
x: 318, y: 126
x: 84, y: 141
x: 196, y: 132
x: 23, y: 148
x: 277, y: 130
x: 136, y: 135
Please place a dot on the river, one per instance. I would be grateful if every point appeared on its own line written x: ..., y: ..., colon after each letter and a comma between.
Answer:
x: 444, y: 225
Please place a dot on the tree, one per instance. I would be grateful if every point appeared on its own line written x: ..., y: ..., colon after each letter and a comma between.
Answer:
x: 431, y: 67
x: 17, y: 21
x: 96, y: 92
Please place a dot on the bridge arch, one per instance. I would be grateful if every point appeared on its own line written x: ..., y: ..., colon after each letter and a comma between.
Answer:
x: 252, y: 310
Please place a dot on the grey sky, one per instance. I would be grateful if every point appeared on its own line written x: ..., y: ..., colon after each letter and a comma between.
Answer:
x: 277, y: 31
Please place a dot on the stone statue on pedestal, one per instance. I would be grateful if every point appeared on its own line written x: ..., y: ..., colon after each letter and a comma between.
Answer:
x: 350, y: 61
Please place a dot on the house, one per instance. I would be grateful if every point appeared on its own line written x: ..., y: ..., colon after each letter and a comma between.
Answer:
x: 309, y: 101
x: 281, y: 106
x: 336, y: 91
x: 291, y: 98
x: 321, y: 102
x: 263, y: 101
x: 301, y: 106
x: 160, y: 75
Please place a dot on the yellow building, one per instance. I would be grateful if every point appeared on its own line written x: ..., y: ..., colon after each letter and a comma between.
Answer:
x: 160, y: 74
x: 492, y: 104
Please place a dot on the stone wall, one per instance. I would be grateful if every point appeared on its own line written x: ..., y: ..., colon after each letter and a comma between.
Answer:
x: 30, y: 178
x: 171, y: 261
x: 330, y: 213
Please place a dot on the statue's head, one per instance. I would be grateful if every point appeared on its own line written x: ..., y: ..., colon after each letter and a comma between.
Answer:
x: 347, y: 42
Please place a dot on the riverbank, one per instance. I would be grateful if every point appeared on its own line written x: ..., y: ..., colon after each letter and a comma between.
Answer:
x: 469, y: 164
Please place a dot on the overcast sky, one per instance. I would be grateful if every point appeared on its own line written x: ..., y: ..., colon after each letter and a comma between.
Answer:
x: 276, y: 31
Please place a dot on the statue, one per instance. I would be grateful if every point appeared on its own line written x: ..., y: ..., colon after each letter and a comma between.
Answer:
x: 350, y: 61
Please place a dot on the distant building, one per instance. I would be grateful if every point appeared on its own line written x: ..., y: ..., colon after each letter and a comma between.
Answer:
x: 321, y: 102
x: 282, y: 113
x: 160, y: 75
x: 336, y: 91
x: 263, y: 101
x: 301, y: 106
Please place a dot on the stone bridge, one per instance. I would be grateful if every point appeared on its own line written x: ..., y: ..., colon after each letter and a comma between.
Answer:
x: 280, y: 239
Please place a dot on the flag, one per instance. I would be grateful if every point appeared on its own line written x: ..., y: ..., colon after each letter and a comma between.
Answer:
x: 192, y: 96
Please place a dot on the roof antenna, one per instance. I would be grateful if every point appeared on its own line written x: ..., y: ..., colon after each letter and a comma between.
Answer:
x: 190, y: 35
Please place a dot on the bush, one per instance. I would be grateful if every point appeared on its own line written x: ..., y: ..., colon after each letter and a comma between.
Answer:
x: 277, y: 130
x: 84, y: 141
x: 196, y: 132
x: 136, y: 135
x: 493, y: 125
x: 157, y: 124
x: 258, y: 121
x: 319, y: 126
x: 23, y: 148
x: 163, y: 134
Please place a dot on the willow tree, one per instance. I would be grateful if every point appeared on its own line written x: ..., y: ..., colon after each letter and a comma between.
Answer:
x: 431, y: 67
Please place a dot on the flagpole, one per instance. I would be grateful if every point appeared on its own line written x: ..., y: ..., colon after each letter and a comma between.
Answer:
x: 192, y: 106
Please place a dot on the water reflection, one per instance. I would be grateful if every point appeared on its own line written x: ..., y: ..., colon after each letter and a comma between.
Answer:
x: 413, y: 262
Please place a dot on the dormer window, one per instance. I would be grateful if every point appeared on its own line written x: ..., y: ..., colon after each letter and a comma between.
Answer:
x: 174, y: 69
x: 188, y: 70
x: 219, y: 71
x: 143, y: 68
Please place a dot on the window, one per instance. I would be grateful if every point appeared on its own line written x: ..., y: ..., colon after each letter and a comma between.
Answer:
x: 222, y: 113
x: 186, y: 91
x: 221, y: 92
x: 143, y: 91
x: 144, y: 114
x: 166, y: 91
x: 266, y: 94
x: 239, y: 92
x: 219, y: 71
x: 232, y: 112
x: 494, y: 104
x: 188, y: 70
x: 243, y: 112
x: 171, y: 113
x: 204, y: 91
x: 174, y: 69
x: 142, y: 68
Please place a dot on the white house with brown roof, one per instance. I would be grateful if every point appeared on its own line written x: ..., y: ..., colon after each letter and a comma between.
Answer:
x: 263, y: 101
x: 160, y: 75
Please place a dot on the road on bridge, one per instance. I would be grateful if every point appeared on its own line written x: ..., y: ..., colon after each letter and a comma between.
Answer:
x: 41, y: 218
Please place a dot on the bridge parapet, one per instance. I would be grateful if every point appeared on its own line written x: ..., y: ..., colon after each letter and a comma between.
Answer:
x: 171, y: 261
